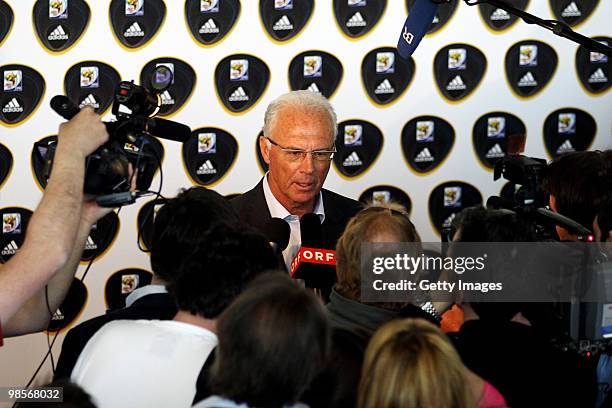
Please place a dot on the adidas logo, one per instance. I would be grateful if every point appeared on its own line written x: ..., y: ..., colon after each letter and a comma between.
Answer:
x: 166, y: 98
x: 352, y: 160
x: 598, y: 77
x: 424, y: 157
x: 495, y: 152
x: 134, y: 31
x: 58, y: 34
x: 500, y: 15
x: 58, y: 315
x: 384, y: 88
x: 90, y: 244
x: 238, y: 95
x: 356, y: 21
x: 571, y: 10
x: 449, y: 221
x: 12, y: 107
x: 528, y: 80
x: 283, y: 24
x: 209, y: 27
x: 456, y: 84
x: 313, y: 88
x: 10, y: 249
x: 89, y: 101
x: 207, y: 168
x: 566, y: 147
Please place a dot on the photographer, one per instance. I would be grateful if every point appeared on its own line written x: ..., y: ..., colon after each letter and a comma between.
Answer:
x: 55, y: 235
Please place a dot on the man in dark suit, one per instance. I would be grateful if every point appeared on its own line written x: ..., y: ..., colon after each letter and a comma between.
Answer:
x: 179, y: 229
x: 298, y: 144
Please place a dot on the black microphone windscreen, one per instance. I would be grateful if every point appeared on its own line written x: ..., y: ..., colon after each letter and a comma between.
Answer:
x: 64, y: 107
x: 278, y: 231
x: 167, y: 129
x: 311, y: 230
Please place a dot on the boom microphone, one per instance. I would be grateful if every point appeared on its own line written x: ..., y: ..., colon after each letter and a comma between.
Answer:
x: 418, y: 22
x: 277, y: 231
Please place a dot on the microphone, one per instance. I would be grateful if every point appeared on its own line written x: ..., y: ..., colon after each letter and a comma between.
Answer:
x: 64, y: 107
x: 278, y: 232
x: 314, y: 264
x: 417, y: 23
x: 168, y: 129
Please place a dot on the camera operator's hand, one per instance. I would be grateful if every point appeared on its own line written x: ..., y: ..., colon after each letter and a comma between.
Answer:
x: 82, y: 134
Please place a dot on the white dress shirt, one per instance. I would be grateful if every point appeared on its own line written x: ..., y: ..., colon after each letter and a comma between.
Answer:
x: 278, y: 211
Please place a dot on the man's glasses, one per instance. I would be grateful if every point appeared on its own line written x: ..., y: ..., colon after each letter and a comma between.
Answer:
x: 296, y: 155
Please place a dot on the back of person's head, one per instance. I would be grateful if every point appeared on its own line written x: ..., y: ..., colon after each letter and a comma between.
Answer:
x: 181, y: 224
x: 73, y: 396
x: 580, y: 183
x: 479, y: 224
x: 373, y: 224
x: 213, y: 275
x: 273, y: 340
x: 411, y: 363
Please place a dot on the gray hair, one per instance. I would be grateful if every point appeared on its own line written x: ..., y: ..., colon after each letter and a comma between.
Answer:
x: 299, y: 99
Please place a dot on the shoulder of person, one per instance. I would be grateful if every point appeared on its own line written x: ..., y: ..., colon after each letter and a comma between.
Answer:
x: 347, y: 204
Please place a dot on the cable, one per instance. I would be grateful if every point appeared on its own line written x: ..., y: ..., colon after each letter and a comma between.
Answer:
x: 158, y: 195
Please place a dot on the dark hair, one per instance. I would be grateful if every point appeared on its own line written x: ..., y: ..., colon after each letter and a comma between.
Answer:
x: 604, y: 221
x: 73, y: 397
x: 478, y: 224
x: 180, y: 227
x: 273, y: 340
x: 581, y: 183
x: 212, y: 276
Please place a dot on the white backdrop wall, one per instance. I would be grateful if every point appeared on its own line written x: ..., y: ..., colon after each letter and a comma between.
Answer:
x: 19, y: 357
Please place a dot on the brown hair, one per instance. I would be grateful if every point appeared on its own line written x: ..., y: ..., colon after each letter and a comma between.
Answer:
x: 364, y: 227
x: 411, y: 363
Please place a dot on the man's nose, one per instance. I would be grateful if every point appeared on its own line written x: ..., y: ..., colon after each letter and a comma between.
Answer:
x: 307, y: 165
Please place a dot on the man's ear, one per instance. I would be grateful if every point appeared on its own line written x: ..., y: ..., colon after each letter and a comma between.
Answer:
x: 264, y: 148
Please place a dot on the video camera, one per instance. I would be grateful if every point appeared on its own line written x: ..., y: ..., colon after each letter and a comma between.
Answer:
x: 130, y: 140
x: 530, y: 200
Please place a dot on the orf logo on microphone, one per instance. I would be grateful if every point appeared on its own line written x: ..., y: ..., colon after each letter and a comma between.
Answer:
x: 358, y: 145
x: 22, y: 92
x: 184, y: 79
x: 135, y: 22
x: 356, y: 19
x: 283, y: 20
x: 426, y: 142
x: 459, y: 69
x: 316, y: 71
x: 60, y: 23
x: 6, y: 20
x: 211, y: 20
x: 568, y: 130
x: 6, y: 163
x: 91, y: 83
x: 385, y: 75
x: 209, y: 154
x: 240, y: 81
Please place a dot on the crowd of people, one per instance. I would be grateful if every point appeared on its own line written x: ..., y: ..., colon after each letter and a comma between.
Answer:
x: 222, y: 324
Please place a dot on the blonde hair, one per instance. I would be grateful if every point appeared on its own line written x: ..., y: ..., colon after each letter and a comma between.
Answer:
x: 410, y: 363
x: 364, y: 227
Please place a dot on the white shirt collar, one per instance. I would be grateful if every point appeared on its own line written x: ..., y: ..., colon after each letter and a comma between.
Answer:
x: 277, y: 210
x: 144, y: 291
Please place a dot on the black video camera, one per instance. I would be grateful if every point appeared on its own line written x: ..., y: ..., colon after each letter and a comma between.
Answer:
x: 131, y: 140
